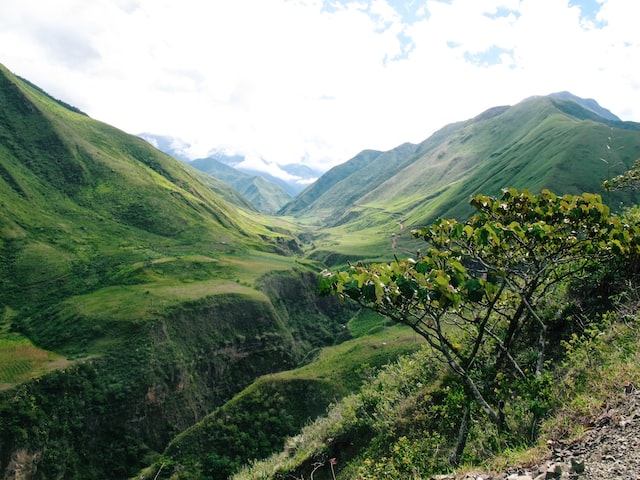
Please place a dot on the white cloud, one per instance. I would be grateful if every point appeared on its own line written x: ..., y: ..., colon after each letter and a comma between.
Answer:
x: 258, y: 164
x: 314, y: 81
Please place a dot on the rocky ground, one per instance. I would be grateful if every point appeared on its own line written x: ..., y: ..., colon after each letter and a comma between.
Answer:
x: 609, y: 450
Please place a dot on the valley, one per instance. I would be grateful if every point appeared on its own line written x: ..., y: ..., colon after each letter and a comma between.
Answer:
x: 159, y: 322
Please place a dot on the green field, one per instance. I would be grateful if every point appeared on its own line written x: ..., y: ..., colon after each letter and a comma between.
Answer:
x: 20, y: 360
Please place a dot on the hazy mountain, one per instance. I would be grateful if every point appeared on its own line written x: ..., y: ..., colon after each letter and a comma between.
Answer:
x: 306, y: 173
x: 266, y: 196
x: 292, y: 178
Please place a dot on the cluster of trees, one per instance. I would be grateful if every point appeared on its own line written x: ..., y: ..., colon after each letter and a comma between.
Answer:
x: 479, y: 292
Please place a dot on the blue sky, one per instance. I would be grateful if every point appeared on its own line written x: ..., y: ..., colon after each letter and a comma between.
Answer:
x: 589, y: 9
x: 317, y: 81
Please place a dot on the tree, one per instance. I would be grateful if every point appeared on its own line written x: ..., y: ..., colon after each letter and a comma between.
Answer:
x: 477, y: 293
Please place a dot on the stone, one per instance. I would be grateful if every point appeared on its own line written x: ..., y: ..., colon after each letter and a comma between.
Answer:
x: 553, y: 471
x: 518, y: 476
x: 577, y: 465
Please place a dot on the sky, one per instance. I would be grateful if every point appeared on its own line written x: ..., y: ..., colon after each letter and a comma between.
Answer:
x: 317, y: 81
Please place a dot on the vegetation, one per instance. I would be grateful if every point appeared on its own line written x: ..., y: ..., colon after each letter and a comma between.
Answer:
x: 405, y: 422
x: 402, y: 423
x: 629, y: 179
x: 257, y: 421
x: 153, y: 323
x: 132, y: 296
x: 478, y: 294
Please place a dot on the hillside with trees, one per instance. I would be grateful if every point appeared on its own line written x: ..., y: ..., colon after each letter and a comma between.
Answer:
x: 529, y: 313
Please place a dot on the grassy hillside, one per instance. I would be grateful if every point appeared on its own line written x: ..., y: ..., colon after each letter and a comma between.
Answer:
x: 540, y: 143
x: 133, y: 298
x: 86, y: 206
x: 256, y: 422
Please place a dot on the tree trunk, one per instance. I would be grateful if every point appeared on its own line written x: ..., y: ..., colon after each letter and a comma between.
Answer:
x: 542, y: 343
x: 463, y: 433
x: 478, y: 397
x: 472, y: 388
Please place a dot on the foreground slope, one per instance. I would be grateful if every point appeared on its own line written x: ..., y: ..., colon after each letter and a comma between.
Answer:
x: 366, y: 205
x: 130, y: 295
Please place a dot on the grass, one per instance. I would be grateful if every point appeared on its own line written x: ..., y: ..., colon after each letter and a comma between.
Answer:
x: 346, y: 364
x: 20, y: 359
x: 144, y: 300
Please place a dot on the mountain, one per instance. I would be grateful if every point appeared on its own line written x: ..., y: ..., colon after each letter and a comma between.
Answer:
x: 292, y: 178
x: 588, y: 104
x: 154, y: 324
x: 137, y: 293
x: 334, y: 192
x: 265, y: 196
x: 557, y: 142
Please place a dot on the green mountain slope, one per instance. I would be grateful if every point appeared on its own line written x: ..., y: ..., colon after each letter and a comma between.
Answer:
x: 337, y: 190
x: 131, y: 294
x: 544, y: 142
x: 267, y: 197
x: 57, y: 159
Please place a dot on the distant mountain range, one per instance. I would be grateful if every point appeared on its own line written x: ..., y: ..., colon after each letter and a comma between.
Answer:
x: 300, y: 190
x: 267, y: 187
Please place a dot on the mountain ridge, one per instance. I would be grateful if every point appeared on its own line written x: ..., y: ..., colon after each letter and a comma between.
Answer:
x: 292, y: 178
x: 266, y: 196
x: 587, y: 103
x: 542, y: 142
